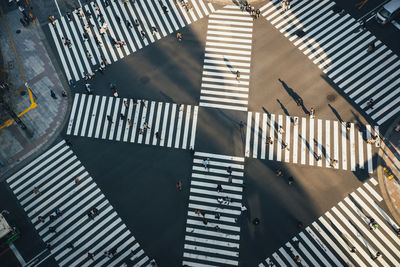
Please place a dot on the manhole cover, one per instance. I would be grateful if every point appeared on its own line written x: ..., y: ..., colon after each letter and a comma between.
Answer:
x: 331, y: 97
x: 18, y: 31
x: 144, y: 79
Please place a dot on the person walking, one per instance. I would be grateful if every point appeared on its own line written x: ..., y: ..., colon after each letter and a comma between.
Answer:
x: 179, y: 36
x: 238, y: 75
x: 109, y: 118
x: 280, y: 130
x: 219, y: 188
x: 153, y: 30
x: 206, y: 163
x: 370, y: 104
x: 91, y: 256
x: 90, y: 215
x: 179, y: 185
x: 158, y: 137
x: 312, y: 113
x: 122, y: 117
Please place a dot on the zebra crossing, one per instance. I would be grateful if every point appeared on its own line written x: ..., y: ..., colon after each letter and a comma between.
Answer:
x: 212, y: 234
x: 336, y: 43
x: 56, y: 182
x: 118, y: 20
x: 316, y: 142
x: 228, y: 50
x: 345, y: 235
x: 130, y: 120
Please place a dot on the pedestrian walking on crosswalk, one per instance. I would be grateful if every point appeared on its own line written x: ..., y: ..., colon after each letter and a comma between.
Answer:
x: 179, y: 36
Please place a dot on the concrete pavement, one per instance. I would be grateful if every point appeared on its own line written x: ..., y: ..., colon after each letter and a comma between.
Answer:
x: 32, y: 64
x: 389, y: 156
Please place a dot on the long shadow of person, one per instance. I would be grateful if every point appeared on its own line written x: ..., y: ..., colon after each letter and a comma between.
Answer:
x: 295, y: 96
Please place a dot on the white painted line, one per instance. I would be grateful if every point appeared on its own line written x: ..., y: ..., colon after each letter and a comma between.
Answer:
x: 93, y: 116
x: 142, y: 121
x: 328, y: 157
x: 248, y: 135
x: 164, y: 124
x: 150, y: 123
x: 135, y: 120
x: 280, y: 139
x: 72, y: 116
x: 352, y: 149
x: 360, y: 150
x: 304, y: 140
x: 202, y: 104
x: 344, y: 147
x: 336, y: 143
x: 115, y: 119
x: 186, y: 127
x: 121, y: 122
x: 369, y: 151
x: 271, y: 135
x: 287, y: 150
x: 295, y: 139
x: 86, y: 116
x: 264, y: 135
x: 194, y: 125
x: 311, y: 142
x: 156, y: 127
x: 129, y: 118
x: 171, y: 126
x: 78, y: 118
x: 256, y: 129
x: 101, y: 117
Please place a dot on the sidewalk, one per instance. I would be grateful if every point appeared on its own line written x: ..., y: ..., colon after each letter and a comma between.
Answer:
x: 46, y: 120
x: 389, y: 156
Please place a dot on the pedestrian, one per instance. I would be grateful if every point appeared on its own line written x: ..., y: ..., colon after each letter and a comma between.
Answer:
x: 130, y: 123
x: 179, y: 185
x: 64, y: 93
x: 297, y: 258
x: 284, y: 145
x: 296, y: 243
x: 118, y: 19
x: 113, y: 251
x: 23, y: 22
x: 353, y: 249
x: 77, y: 180
x: 164, y: 8
x: 287, y: 4
x: 218, y: 228
x: 238, y: 75
x: 312, y: 113
x: 128, y: 24
x: 197, y: 212
x: 243, y: 208
x: 52, y: 20
x: 146, y: 125
x: 157, y: 134
x: 90, y: 215
x: 219, y: 188
x: 397, y: 129
x: 143, y: 34
x: 206, y: 163
x: 107, y: 254
x: 370, y: 104
x: 256, y: 221
x: 153, y: 30
x: 52, y: 229
x: 58, y: 211
x: 41, y: 219
x: 91, y: 256
x: 126, y: 104
x: 290, y: 180
x: 48, y: 246
x: 53, y: 95
x: 333, y: 163
x: 258, y: 12
x: 143, y: 103
x: 299, y: 224
x: 217, y: 216
x: 109, y: 118
x: 205, y: 222
x: 88, y: 54
x: 229, y: 170
x: 371, y: 47
x: 270, y: 263
x: 36, y: 191
x: 69, y: 16
x: 281, y: 131
x: 179, y: 36
x: 68, y: 143
x: 181, y: 107
x: 374, y: 257
x: 317, y: 157
x: 136, y: 23
x: 279, y: 172
x: 122, y: 117
x: 269, y: 140
x: 95, y: 211
x: 70, y: 245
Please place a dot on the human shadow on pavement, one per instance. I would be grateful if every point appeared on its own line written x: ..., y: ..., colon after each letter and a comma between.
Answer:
x: 336, y: 113
x: 283, y: 108
x: 295, y: 96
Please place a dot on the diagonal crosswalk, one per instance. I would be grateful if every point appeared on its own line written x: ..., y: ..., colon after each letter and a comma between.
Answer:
x: 94, y: 27
x: 55, y: 182
x: 135, y: 121
x: 338, y: 46
x: 312, y: 141
x: 345, y: 235
x: 228, y: 51
x: 212, y: 232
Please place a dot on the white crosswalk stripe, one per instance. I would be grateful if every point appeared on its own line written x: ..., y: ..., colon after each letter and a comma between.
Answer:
x: 325, y: 148
x: 127, y: 119
x: 346, y: 235
x: 212, y: 232
x: 228, y: 51
x: 85, y: 56
x: 337, y: 45
x: 57, y: 189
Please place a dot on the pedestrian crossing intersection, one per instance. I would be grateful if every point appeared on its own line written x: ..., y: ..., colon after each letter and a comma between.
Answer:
x: 312, y: 141
x: 350, y: 234
x: 117, y: 21
x: 337, y: 44
x: 228, y: 51
x: 57, y: 182
x: 212, y: 233
x: 135, y: 121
